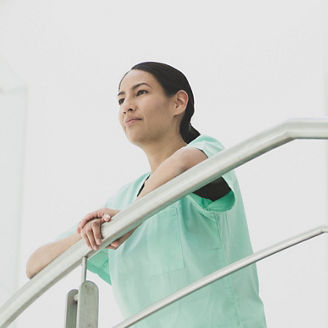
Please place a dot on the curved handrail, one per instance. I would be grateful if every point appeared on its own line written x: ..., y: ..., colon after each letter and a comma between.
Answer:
x: 219, y: 274
x: 142, y: 209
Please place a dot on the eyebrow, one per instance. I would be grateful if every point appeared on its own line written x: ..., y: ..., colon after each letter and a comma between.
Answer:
x: 134, y: 87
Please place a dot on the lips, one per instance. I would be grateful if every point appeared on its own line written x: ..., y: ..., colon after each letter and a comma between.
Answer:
x: 132, y: 118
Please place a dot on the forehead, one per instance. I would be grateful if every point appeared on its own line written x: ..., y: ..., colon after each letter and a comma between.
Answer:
x: 134, y: 77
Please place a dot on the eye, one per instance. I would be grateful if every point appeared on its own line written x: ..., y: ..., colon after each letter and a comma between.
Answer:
x: 120, y: 101
x: 142, y: 91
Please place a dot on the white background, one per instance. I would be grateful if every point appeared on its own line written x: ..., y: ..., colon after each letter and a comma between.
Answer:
x: 251, y: 65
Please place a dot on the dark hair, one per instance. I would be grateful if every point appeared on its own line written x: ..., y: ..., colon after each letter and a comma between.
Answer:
x: 172, y: 80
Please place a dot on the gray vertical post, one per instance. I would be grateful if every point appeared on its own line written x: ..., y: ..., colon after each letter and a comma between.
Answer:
x: 71, y: 309
x: 82, y: 305
x: 87, y: 307
x: 84, y: 269
x: 87, y: 301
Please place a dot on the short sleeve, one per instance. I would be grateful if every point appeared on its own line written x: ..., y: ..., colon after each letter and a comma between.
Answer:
x: 210, y: 147
x: 98, y: 263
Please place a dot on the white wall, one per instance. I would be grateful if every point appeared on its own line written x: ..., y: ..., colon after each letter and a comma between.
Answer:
x: 251, y: 64
x: 13, y: 101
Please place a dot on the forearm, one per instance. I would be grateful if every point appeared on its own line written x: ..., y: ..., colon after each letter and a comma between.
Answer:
x: 166, y: 171
x: 47, y: 253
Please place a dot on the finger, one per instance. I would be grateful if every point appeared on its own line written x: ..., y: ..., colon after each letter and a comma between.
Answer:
x: 125, y: 236
x: 97, y: 233
x: 93, y: 215
x: 104, y: 220
x: 85, y: 221
x: 91, y: 237
x: 113, y: 245
x: 110, y: 247
x: 86, y: 239
x: 82, y: 224
x: 116, y: 243
x: 79, y: 228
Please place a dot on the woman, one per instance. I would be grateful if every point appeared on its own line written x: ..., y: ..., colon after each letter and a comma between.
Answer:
x: 193, y: 237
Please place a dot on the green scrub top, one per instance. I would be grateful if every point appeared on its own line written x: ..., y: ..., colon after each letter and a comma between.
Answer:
x: 182, y: 243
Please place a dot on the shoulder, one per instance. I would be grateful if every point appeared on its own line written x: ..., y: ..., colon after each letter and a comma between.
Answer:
x: 220, y: 194
x: 207, y: 144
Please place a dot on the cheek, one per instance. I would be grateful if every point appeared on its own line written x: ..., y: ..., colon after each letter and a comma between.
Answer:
x: 158, y: 118
x: 120, y: 115
x: 121, y: 119
x: 158, y: 110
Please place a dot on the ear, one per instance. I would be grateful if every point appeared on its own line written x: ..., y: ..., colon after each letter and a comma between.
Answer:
x: 181, y: 101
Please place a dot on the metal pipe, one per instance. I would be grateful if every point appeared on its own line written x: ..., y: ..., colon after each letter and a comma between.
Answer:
x: 203, y: 282
x: 83, y: 275
x: 139, y: 211
x: 84, y: 269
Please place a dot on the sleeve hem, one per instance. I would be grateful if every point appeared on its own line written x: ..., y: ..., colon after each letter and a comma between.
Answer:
x: 103, y: 275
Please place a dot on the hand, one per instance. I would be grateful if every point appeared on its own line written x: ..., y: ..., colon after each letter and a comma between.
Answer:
x: 105, y: 213
x: 90, y: 231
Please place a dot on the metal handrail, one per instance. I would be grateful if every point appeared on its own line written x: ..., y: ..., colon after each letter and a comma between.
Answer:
x: 219, y: 274
x: 142, y: 209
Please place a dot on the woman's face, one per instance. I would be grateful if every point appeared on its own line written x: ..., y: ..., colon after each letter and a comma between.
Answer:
x: 142, y: 97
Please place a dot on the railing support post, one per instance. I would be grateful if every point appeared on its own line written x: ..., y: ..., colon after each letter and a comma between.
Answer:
x: 83, y: 305
x: 71, y: 309
x: 87, y: 305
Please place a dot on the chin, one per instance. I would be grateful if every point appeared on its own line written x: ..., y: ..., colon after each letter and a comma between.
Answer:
x: 135, y: 139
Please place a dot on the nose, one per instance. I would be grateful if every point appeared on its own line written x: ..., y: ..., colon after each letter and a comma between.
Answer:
x: 129, y: 109
x: 128, y: 106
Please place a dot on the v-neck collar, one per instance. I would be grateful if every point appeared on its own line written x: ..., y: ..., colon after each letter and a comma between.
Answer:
x: 142, y: 183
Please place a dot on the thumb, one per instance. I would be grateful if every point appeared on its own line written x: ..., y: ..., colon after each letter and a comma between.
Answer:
x: 106, y: 217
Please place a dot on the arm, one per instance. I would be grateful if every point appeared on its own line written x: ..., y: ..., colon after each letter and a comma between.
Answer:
x: 213, y: 190
x: 182, y: 160
x: 177, y: 163
x: 173, y: 166
x: 166, y: 171
x: 47, y: 253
